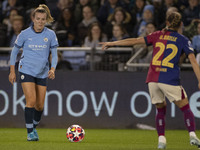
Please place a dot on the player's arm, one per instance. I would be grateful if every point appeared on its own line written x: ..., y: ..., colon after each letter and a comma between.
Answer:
x: 195, y: 67
x: 13, y: 57
x: 125, y: 42
x: 51, y: 73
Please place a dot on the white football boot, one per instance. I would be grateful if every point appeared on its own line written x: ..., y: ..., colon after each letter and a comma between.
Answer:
x: 161, y: 142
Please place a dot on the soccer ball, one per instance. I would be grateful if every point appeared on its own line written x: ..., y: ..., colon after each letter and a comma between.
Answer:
x: 75, y: 133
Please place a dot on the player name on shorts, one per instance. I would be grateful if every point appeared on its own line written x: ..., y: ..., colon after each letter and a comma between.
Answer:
x: 168, y: 37
x: 161, y: 69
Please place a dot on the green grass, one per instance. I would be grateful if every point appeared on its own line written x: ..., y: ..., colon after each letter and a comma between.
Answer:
x: 95, y: 139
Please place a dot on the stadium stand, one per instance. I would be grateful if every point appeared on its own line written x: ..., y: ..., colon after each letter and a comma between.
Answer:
x: 69, y: 22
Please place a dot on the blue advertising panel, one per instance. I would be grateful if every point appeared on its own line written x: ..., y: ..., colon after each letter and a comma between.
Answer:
x: 96, y: 100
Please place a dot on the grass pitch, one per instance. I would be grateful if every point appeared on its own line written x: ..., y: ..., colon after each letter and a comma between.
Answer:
x: 95, y: 139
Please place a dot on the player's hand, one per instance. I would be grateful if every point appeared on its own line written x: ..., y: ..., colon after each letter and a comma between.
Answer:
x: 51, y: 74
x: 12, y: 77
x: 106, y: 45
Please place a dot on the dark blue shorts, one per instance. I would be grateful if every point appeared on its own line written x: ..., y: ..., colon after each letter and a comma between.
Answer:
x: 28, y: 78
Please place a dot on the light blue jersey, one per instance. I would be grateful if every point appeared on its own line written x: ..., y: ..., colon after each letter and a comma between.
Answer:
x: 36, y: 48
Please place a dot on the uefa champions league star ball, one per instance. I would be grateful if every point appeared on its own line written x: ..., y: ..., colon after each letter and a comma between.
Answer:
x: 75, y: 133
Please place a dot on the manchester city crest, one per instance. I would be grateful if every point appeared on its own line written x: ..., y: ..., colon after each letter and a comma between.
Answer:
x: 45, y: 39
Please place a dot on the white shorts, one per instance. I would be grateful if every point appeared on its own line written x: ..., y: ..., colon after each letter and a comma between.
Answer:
x: 158, y: 92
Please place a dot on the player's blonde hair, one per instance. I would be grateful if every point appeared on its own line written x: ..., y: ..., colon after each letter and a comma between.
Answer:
x: 174, y: 20
x: 44, y: 9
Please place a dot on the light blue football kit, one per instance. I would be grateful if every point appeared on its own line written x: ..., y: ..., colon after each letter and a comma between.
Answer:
x: 36, y: 48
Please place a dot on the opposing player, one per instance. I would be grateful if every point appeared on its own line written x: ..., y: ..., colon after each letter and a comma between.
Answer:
x: 36, y: 41
x: 163, y: 75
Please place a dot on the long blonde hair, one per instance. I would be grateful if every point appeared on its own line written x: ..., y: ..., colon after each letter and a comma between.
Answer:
x: 44, y: 9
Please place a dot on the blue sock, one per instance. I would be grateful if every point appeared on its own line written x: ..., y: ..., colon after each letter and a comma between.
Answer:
x: 37, y: 117
x: 29, y: 118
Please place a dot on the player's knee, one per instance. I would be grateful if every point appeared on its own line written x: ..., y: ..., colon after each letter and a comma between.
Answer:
x: 181, y: 103
x: 161, y: 105
x: 39, y: 107
x: 30, y: 105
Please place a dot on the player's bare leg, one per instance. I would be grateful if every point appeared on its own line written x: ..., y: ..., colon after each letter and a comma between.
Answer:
x: 40, y: 97
x: 30, y: 93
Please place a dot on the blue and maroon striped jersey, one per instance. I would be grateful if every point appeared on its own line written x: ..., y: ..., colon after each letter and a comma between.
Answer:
x: 167, y: 48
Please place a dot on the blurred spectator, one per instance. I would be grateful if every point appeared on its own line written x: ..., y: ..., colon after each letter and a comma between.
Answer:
x: 8, y: 21
x: 88, y: 19
x: 102, y: 2
x: 168, y: 12
x: 8, y: 5
x: 191, y: 12
x: 128, y: 4
x: 196, y: 43
x: 65, y: 28
x: 107, y: 9
x: 1, y: 13
x: 182, y: 4
x: 78, y: 58
x: 137, y: 11
x: 3, y: 35
x: 17, y: 26
x: 65, y: 4
x: 119, y: 33
x: 157, y: 5
x: 10, y: 8
x: 79, y: 8
x: 146, y: 54
x: 191, y: 30
x: 120, y: 17
x: 161, y: 12
x: 56, y: 6
x: 95, y: 35
x: 116, y: 61
x: 147, y: 17
x: 150, y: 28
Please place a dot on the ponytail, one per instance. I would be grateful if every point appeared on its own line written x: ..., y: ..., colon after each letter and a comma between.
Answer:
x: 44, y: 9
x: 174, y: 20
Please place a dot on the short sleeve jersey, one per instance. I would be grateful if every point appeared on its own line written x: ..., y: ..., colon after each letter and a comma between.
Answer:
x: 196, y: 43
x: 36, y: 48
x: 167, y: 48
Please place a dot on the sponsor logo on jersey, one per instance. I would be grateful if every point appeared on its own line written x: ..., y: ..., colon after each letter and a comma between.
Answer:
x: 37, y: 47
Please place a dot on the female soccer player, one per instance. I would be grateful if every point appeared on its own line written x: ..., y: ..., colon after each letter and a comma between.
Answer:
x: 163, y: 75
x: 36, y: 41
